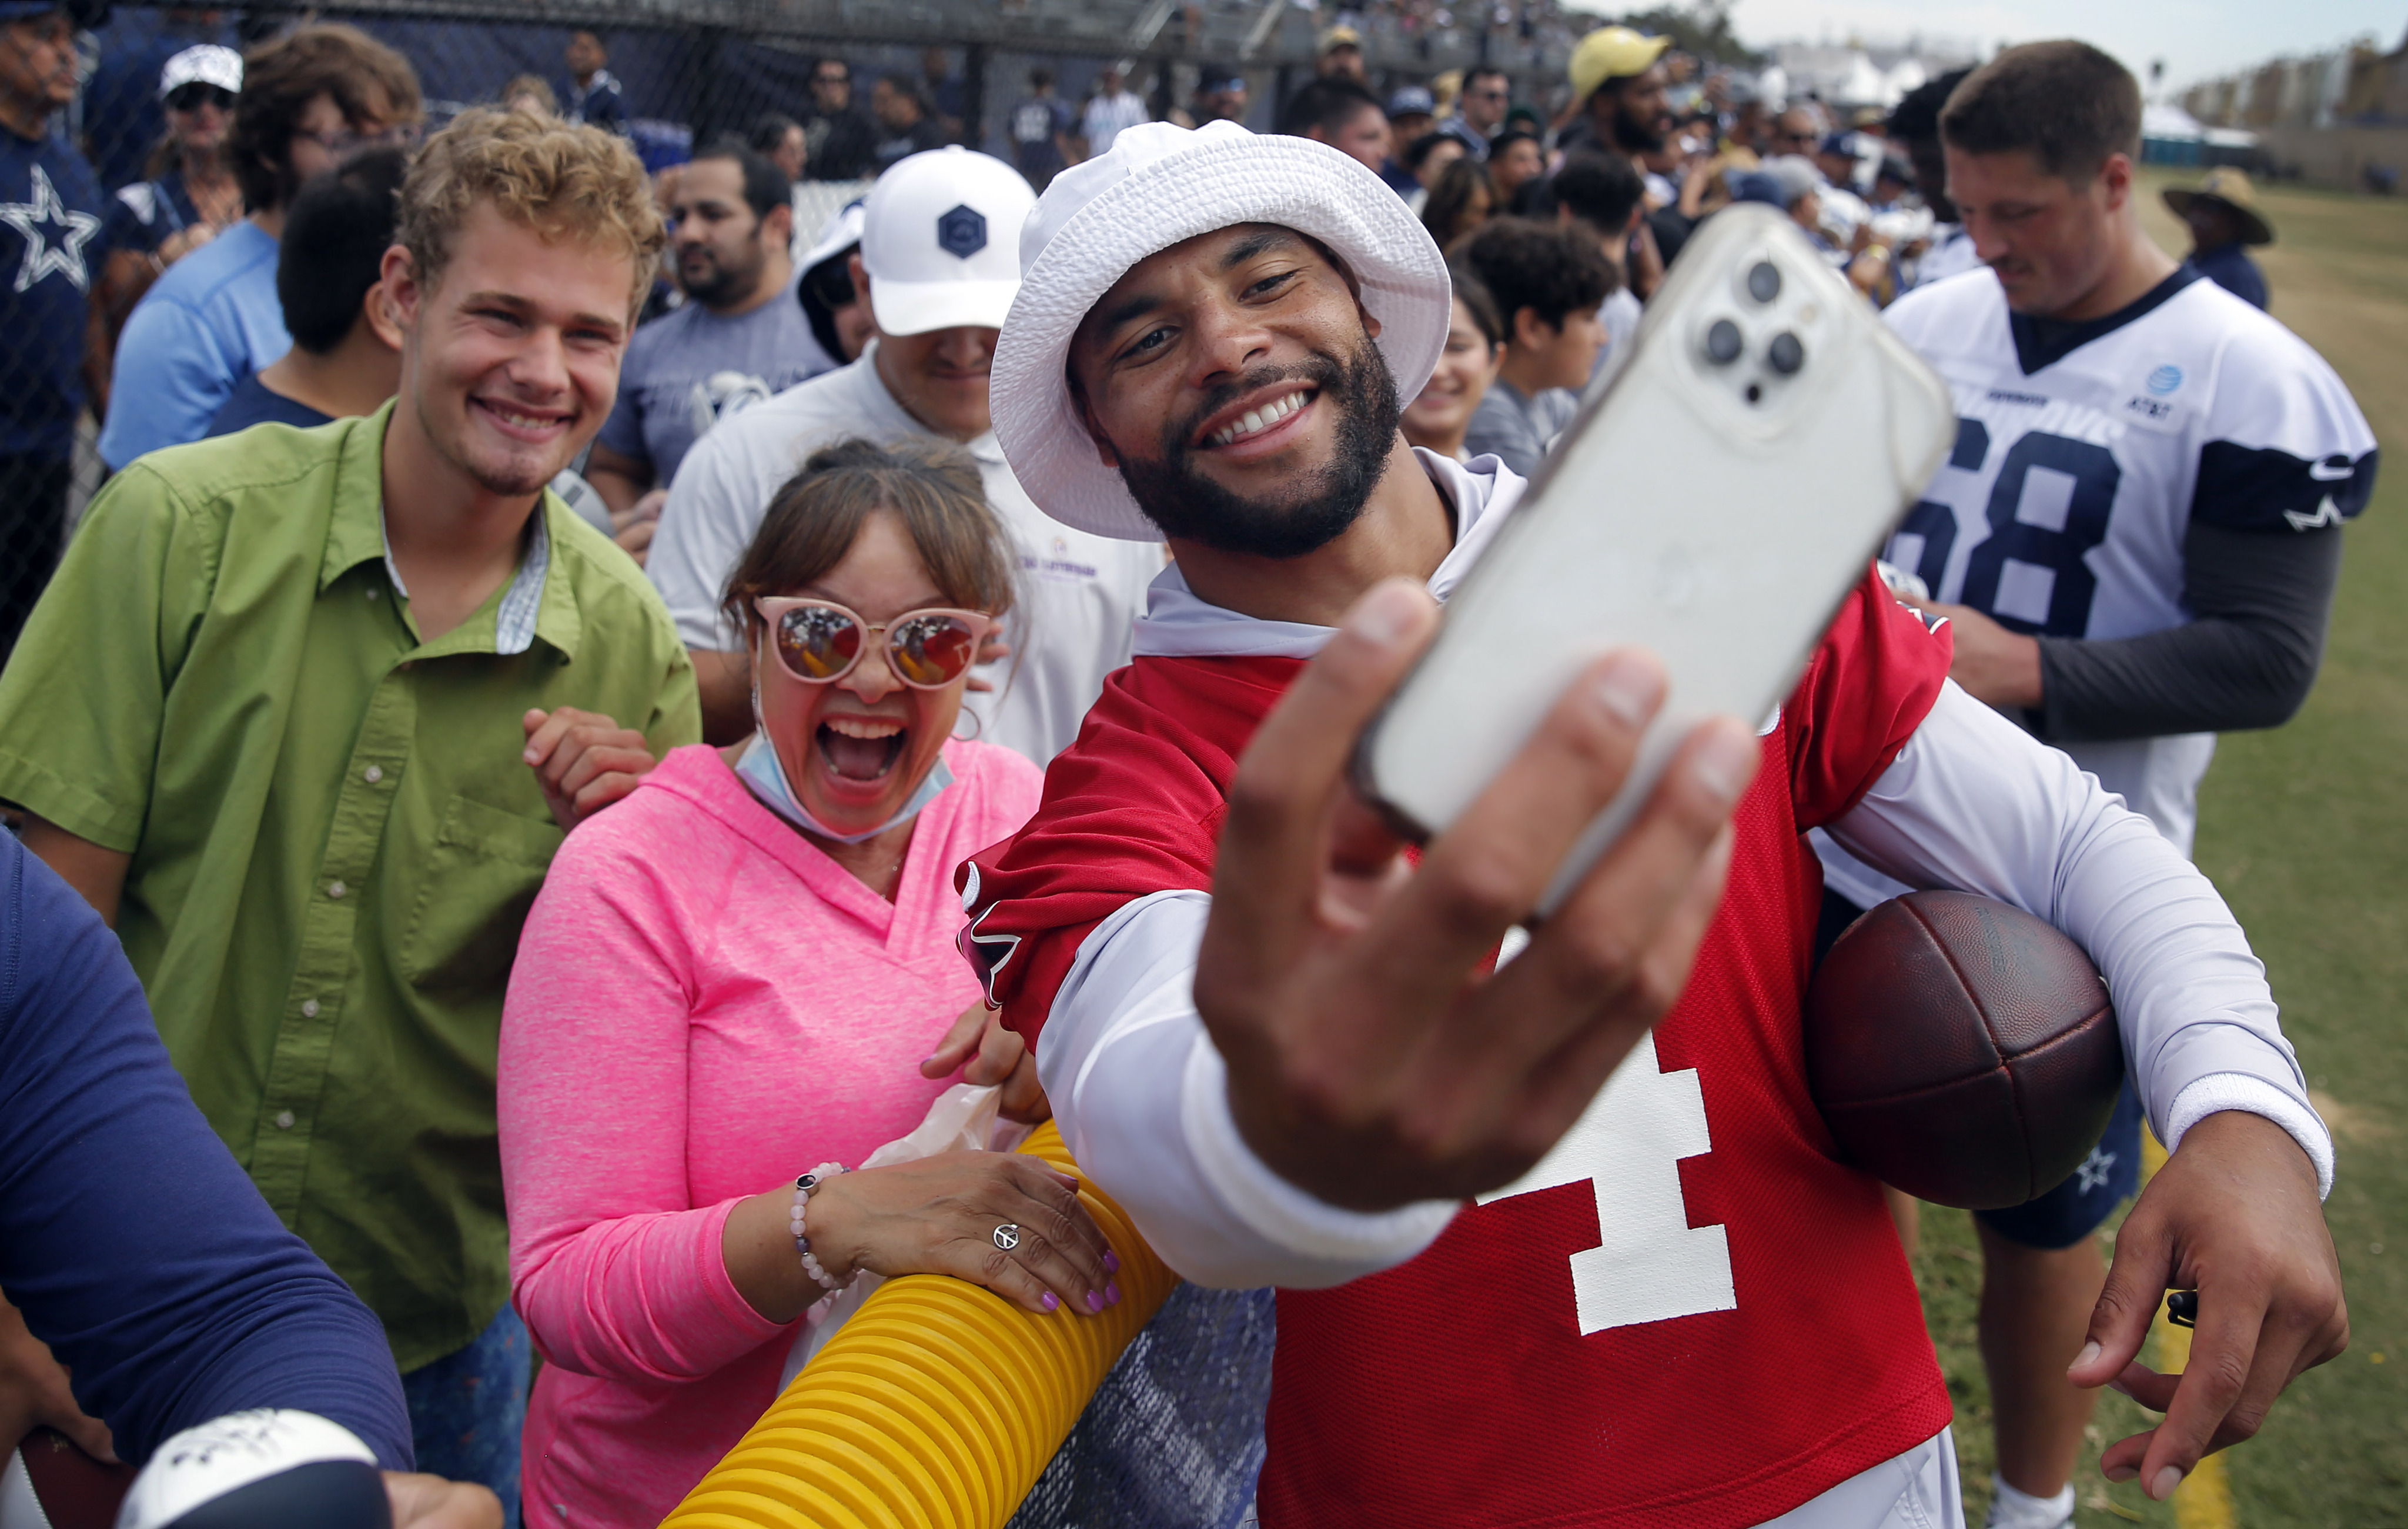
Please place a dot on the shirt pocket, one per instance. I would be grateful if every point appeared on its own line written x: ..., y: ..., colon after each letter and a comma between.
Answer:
x: 476, y: 883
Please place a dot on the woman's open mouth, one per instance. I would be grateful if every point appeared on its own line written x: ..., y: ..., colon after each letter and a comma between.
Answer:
x: 861, y: 748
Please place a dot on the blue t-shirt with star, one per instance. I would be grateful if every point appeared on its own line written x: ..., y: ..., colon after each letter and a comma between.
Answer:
x: 50, y: 249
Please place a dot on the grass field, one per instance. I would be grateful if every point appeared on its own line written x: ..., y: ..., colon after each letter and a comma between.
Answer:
x: 2306, y: 830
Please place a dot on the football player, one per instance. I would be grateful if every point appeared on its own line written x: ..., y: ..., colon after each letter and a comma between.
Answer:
x: 1516, y: 1293
x: 2136, y: 541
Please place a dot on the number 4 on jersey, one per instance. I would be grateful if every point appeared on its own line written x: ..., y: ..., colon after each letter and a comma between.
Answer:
x: 1651, y: 1263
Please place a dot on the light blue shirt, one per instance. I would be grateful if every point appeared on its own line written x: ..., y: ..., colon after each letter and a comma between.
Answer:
x: 211, y: 321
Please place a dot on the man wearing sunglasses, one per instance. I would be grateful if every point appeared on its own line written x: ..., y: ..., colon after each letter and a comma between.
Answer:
x: 1540, y: 1229
x: 843, y: 142
x: 1487, y: 95
x: 308, y: 99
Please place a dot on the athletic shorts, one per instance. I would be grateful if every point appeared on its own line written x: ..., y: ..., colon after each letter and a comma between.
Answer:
x: 2077, y: 1207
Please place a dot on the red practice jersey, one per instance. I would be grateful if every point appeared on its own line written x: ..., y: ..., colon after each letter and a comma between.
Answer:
x: 1692, y: 1314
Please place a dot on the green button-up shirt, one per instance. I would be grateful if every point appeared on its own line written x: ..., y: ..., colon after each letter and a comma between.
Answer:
x: 334, y: 840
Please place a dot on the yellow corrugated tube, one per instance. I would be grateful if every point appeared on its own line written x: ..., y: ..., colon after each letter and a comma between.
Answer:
x: 936, y: 1406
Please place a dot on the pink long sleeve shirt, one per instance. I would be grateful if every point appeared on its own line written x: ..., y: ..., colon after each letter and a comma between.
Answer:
x: 703, y: 1006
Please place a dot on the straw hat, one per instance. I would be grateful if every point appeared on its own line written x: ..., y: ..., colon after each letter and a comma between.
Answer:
x: 2231, y: 189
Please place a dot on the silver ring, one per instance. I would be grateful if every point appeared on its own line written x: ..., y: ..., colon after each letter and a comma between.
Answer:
x: 1006, y: 1236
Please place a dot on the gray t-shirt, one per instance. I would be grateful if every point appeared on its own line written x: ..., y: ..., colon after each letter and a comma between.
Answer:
x: 1515, y: 430
x: 690, y: 369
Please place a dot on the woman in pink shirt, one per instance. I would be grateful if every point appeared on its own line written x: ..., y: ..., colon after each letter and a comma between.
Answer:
x: 747, y: 968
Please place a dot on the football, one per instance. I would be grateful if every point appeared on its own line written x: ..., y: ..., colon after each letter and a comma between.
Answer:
x: 1961, y: 1050
x: 54, y: 1485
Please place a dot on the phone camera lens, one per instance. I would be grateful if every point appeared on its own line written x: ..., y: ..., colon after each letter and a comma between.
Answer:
x: 1785, y: 353
x: 1723, y: 342
x: 1764, y: 281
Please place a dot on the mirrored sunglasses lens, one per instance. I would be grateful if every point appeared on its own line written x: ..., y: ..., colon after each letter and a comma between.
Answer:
x: 817, y: 643
x: 932, y: 650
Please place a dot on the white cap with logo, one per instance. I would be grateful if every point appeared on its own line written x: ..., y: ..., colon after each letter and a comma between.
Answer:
x: 940, y: 240
x: 205, y: 64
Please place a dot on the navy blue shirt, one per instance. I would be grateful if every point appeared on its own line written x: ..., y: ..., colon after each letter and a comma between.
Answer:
x: 255, y: 403
x: 50, y: 249
x: 143, y: 214
x: 133, y: 1243
x: 2229, y: 266
x: 598, y: 103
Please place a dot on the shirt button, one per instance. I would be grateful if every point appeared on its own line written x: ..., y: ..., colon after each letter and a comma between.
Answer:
x: 283, y: 1120
x: 372, y: 775
x: 308, y: 1008
x: 372, y: 594
x: 336, y: 888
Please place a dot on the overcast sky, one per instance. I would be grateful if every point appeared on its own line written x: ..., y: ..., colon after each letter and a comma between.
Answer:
x: 2197, y: 38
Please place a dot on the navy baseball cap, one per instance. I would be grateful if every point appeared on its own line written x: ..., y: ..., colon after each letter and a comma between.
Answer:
x: 88, y: 15
x: 1412, y: 100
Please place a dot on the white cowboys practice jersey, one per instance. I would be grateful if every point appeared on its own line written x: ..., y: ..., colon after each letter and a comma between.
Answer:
x: 2063, y: 508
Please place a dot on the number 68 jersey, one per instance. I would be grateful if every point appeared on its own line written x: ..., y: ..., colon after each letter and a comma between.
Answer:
x: 2086, y: 452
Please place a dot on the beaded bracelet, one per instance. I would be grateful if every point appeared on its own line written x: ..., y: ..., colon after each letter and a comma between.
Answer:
x: 804, y: 1187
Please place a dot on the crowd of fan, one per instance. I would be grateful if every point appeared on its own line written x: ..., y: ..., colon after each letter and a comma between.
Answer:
x: 255, y: 274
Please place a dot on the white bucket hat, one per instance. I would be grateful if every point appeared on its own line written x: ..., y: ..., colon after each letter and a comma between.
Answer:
x: 1160, y: 185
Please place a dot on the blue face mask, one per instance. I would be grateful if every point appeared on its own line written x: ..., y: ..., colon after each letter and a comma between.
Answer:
x: 764, y: 776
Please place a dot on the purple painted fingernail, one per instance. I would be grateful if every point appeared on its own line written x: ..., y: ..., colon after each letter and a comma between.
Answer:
x: 1112, y: 1293
x: 1095, y: 1301
x: 1111, y: 1262
x: 1051, y: 1300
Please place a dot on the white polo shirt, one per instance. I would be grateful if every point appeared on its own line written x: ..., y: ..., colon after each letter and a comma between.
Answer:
x: 1078, y: 594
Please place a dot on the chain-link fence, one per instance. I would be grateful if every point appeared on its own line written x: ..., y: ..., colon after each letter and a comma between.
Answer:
x: 687, y: 72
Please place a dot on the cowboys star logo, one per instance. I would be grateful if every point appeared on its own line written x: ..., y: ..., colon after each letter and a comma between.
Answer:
x: 60, y: 249
x: 2095, y: 1169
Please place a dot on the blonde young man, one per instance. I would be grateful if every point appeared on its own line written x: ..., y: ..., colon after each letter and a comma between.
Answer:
x: 305, y: 713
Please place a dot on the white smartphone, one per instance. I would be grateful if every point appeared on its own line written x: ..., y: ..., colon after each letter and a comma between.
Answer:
x: 1715, y: 505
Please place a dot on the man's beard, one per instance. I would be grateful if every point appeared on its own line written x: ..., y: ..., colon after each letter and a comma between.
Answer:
x: 1634, y: 137
x: 1189, y: 506
x: 720, y: 283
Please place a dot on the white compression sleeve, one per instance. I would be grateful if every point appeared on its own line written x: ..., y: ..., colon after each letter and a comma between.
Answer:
x: 1142, y: 1097
x: 1975, y: 803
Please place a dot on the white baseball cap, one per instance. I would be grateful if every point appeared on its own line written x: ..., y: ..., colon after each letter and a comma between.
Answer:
x: 939, y: 238
x: 207, y: 63
x: 1161, y: 185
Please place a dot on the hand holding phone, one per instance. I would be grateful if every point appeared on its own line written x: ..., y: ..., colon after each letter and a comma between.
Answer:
x: 1714, y: 506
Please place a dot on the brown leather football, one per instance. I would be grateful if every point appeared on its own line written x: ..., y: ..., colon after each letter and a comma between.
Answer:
x: 74, y: 1490
x: 1961, y: 1049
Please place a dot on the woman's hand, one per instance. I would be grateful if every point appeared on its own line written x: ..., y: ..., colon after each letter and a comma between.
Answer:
x: 939, y: 1216
x: 995, y: 1056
